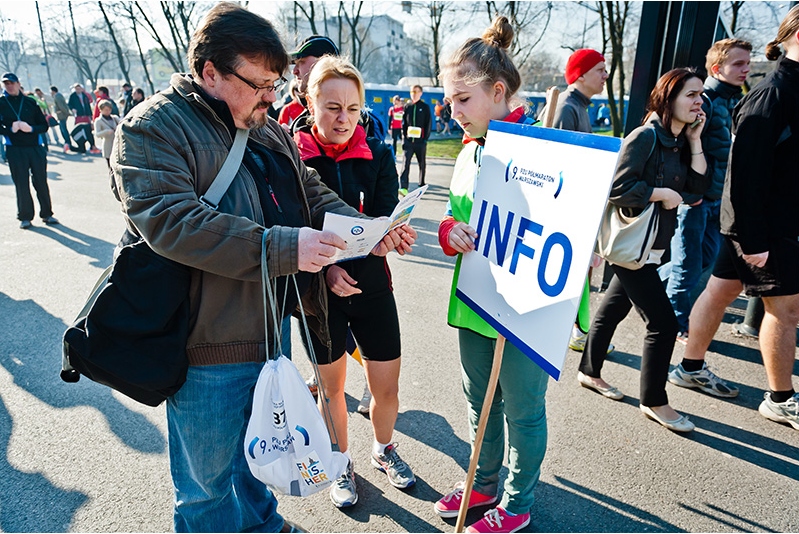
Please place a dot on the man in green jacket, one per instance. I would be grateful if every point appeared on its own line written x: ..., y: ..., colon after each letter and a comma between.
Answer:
x: 167, y: 153
x: 62, y: 113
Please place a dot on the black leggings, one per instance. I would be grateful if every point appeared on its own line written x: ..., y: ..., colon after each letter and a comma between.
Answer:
x: 644, y: 290
x: 416, y: 148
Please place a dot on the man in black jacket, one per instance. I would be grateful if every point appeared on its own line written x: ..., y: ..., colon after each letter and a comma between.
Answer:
x: 22, y: 122
x: 760, y: 251
x: 417, y: 123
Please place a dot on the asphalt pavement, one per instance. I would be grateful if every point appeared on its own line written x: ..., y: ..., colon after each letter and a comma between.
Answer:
x: 81, y: 458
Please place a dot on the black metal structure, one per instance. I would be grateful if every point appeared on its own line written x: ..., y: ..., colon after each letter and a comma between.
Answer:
x: 672, y: 34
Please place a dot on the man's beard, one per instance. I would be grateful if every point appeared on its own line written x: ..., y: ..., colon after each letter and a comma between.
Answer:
x: 257, y: 119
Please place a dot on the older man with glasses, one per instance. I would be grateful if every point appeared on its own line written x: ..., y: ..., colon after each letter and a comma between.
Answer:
x: 168, y: 151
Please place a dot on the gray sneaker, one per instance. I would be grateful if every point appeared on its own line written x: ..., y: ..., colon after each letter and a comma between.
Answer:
x: 343, y: 493
x: 703, y: 380
x: 781, y: 412
x: 398, y: 473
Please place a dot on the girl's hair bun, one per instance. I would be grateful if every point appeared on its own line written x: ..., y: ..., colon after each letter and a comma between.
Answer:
x: 500, y: 33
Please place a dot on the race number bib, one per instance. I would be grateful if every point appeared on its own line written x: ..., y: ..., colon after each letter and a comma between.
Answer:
x: 414, y: 132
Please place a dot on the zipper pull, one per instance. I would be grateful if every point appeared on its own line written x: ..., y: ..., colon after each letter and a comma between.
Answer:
x: 274, y: 198
x: 360, y: 208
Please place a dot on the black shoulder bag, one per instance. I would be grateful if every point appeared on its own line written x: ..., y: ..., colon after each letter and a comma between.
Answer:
x: 131, y: 334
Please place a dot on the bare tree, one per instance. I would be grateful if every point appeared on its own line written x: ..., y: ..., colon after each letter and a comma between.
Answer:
x: 309, y: 14
x: 735, y: 8
x: 12, y: 48
x: 613, y: 18
x: 747, y: 20
x: 435, y: 17
x: 121, y: 56
x: 129, y: 12
x: 530, y: 21
x: 181, y: 20
x: 88, y: 53
x: 353, y: 18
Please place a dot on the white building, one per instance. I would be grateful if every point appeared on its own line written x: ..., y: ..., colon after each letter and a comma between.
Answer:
x: 382, y: 52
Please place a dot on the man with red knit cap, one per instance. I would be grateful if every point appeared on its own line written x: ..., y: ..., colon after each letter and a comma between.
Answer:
x: 586, y: 75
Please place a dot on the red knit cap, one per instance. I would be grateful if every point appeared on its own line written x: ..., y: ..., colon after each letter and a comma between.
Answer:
x: 581, y: 62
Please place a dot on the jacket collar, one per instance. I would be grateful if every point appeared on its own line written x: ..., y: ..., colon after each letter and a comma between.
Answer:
x: 517, y: 115
x: 723, y: 89
x: 184, y: 86
x: 310, y: 146
x: 665, y: 138
x: 789, y: 67
x: 584, y: 100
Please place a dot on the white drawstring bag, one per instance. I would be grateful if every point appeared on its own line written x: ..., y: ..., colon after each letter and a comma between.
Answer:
x: 287, y: 444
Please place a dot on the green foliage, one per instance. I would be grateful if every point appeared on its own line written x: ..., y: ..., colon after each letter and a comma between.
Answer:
x: 440, y: 148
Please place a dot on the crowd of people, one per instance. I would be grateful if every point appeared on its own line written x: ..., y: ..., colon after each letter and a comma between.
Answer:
x: 28, y: 131
x: 716, y: 163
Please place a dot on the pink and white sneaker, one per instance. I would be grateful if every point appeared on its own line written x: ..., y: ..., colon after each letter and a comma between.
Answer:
x: 498, y: 520
x: 449, y: 505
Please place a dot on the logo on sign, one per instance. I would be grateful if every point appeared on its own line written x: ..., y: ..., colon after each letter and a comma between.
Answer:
x: 357, y: 230
x: 532, y: 177
x: 312, y: 471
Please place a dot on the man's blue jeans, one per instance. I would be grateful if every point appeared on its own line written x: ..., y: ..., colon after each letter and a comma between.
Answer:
x: 694, y: 248
x: 207, y: 420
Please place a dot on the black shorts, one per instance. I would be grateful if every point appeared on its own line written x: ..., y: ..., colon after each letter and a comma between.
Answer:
x: 778, y: 277
x: 374, y: 323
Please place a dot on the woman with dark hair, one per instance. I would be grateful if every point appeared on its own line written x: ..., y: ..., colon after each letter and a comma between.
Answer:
x: 659, y: 160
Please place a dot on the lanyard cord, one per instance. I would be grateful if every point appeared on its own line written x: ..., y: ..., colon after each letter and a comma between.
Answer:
x: 19, y: 111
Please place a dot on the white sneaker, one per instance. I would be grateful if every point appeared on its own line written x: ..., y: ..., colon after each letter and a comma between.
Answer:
x: 781, y: 412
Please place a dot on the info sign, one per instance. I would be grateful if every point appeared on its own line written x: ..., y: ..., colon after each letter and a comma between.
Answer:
x: 539, y: 199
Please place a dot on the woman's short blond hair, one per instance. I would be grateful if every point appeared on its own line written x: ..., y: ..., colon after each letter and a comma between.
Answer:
x: 334, y: 67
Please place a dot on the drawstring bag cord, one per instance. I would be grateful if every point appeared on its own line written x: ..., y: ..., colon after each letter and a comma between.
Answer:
x: 270, y: 308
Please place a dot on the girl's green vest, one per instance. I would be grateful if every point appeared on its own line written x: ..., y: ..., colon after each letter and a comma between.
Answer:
x: 461, y: 199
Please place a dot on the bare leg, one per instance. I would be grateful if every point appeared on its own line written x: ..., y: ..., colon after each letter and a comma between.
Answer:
x: 778, y: 340
x: 333, y: 375
x: 707, y: 313
x: 383, y: 380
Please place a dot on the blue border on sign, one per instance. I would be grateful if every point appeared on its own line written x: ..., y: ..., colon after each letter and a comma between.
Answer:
x: 539, y: 360
x: 599, y: 142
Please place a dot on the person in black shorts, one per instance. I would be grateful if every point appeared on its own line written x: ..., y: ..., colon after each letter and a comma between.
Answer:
x: 362, y: 172
x: 760, y: 253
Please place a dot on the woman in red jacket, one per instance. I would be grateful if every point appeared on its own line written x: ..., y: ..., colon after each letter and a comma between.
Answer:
x: 360, y: 298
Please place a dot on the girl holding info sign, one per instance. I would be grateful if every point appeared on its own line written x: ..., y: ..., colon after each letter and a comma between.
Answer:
x: 480, y: 82
x: 658, y: 161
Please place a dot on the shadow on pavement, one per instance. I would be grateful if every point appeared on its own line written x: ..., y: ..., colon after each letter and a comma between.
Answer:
x: 32, y: 355
x: 434, y: 431
x: 728, y: 518
x: 745, y: 445
x: 28, y: 501
x: 99, y: 250
x: 555, y: 507
x: 404, y: 519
